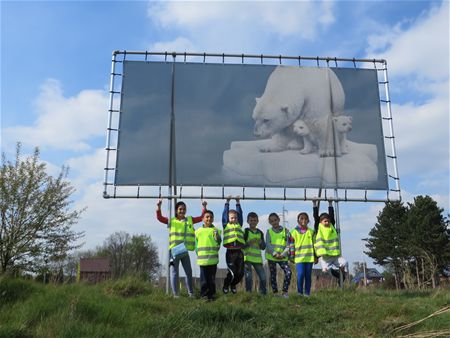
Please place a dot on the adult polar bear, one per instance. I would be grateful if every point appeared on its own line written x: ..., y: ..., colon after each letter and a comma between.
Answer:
x: 294, y: 93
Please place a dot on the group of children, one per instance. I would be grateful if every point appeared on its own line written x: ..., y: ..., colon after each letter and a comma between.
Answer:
x: 302, y: 245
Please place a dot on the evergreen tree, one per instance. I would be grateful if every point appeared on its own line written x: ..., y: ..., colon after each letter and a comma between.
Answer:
x: 410, y: 241
x: 428, y: 242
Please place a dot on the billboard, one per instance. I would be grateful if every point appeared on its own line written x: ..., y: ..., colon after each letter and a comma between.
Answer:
x: 250, y: 125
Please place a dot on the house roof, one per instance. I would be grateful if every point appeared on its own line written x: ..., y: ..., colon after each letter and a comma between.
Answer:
x: 94, y: 265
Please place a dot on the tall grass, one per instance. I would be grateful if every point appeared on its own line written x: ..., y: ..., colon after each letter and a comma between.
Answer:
x: 131, y: 308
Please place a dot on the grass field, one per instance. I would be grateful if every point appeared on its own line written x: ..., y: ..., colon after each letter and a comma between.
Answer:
x: 130, y: 308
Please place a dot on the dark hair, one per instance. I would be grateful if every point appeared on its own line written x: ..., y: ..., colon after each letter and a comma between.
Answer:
x: 180, y: 203
x: 274, y: 214
x: 323, y: 216
x: 208, y: 212
x: 252, y: 214
x: 232, y: 211
x: 303, y: 214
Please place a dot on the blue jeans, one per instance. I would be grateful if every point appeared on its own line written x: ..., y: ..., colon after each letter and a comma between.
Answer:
x: 174, y: 275
x: 304, y: 277
x: 249, y: 277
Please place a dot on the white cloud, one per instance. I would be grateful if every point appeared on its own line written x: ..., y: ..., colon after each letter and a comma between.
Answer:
x: 237, y: 25
x: 422, y: 133
x: 63, y: 122
x: 178, y: 44
x: 422, y: 49
x: 106, y: 216
x: 417, y: 52
x: 87, y: 168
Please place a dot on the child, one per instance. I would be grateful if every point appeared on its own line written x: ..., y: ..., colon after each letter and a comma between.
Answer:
x: 327, y: 240
x: 254, y: 243
x: 303, y: 240
x: 181, y: 229
x: 207, y: 240
x: 278, y: 242
x: 233, y: 240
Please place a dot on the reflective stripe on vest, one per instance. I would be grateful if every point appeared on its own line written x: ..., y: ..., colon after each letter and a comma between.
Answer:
x: 176, y: 233
x: 207, y: 247
x: 278, y: 241
x: 327, y: 241
x: 253, y: 253
x: 304, y: 246
x: 232, y: 233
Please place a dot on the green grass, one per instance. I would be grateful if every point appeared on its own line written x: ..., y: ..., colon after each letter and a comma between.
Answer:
x: 130, y: 308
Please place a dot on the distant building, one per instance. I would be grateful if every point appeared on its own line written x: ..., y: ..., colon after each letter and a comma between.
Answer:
x: 93, y: 270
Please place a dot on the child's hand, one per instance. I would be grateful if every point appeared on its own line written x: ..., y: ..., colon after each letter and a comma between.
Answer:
x: 158, y: 204
x: 204, y: 204
x: 330, y: 203
x: 314, y: 203
x: 238, y: 198
x: 228, y: 199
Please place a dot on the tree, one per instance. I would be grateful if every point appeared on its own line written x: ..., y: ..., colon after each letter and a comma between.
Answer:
x: 410, y: 241
x: 36, y: 219
x: 385, y: 242
x: 428, y: 242
x: 136, y: 255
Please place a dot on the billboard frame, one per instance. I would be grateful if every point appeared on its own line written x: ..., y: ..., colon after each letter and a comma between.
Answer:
x: 393, y: 193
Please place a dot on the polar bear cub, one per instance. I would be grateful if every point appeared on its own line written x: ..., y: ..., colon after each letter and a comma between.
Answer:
x: 317, y: 135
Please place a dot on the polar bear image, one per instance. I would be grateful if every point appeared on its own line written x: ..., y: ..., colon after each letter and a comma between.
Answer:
x: 318, y: 133
x: 294, y: 93
x: 301, y: 129
x: 342, y: 125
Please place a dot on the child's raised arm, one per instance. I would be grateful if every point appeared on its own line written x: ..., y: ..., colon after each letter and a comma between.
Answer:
x: 159, y: 215
x: 200, y: 218
x: 239, y: 211
x: 316, y: 216
x: 226, y: 208
x: 331, y: 213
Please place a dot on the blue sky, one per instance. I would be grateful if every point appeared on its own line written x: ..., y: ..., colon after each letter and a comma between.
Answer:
x: 56, y: 59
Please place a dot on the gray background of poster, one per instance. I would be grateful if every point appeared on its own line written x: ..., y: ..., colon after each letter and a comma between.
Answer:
x: 213, y: 107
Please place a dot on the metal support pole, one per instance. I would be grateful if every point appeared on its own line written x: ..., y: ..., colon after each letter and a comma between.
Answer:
x: 338, y: 229
x: 172, y: 180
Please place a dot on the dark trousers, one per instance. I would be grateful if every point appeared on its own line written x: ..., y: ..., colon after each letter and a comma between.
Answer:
x: 208, y: 281
x: 235, y: 264
x: 273, y: 275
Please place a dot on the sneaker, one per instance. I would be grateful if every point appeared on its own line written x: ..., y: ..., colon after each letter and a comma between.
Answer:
x: 176, y: 296
x: 285, y: 295
x: 225, y: 290
x: 233, y: 291
x: 191, y: 295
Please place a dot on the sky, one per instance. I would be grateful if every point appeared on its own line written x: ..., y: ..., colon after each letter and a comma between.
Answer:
x: 55, y: 73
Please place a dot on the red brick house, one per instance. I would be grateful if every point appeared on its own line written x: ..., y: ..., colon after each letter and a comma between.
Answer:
x: 93, y: 270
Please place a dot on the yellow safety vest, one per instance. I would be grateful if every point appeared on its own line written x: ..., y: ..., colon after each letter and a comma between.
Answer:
x: 177, y: 230
x: 207, y: 246
x: 233, y: 232
x: 253, y: 253
x: 278, y: 241
x: 304, y: 246
x: 327, y: 241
